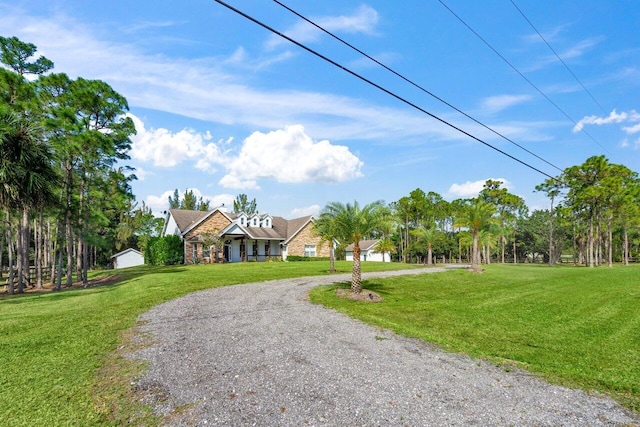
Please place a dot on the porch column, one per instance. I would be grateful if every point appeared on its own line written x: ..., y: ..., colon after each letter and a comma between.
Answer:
x: 245, y: 242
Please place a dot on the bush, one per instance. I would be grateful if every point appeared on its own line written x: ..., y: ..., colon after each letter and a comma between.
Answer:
x: 306, y: 258
x: 167, y: 250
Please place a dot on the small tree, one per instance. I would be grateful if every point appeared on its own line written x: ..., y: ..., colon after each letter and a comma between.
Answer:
x: 352, y: 223
x: 386, y: 246
x: 210, y: 240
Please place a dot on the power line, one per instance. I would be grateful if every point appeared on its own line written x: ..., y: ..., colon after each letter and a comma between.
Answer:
x: 377, y: 86
x: 522, y: 75
x: 558, y: 56
x: 412, y: 82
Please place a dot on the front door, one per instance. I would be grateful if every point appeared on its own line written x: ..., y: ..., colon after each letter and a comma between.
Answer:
x: 226, y: 253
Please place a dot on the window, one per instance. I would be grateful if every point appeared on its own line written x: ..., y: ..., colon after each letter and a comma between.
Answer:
x: 206, y: 252
x: 310, y: 251
x: 241, y: 220
x: 255, y: 222
x: 255, y: 248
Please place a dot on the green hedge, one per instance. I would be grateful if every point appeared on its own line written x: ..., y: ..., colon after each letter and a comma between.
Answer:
x: 306, y: 258
x: 167, y: 250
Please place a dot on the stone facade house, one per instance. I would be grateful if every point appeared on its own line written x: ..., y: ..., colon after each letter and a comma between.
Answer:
x: 242, y: 237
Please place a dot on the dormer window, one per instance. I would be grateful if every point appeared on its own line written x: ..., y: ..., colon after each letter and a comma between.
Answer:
x: 255, y: 222
x: 266, y: 223
x: 241, y: 220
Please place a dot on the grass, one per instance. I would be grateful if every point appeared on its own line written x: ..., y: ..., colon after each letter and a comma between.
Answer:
x: 577, y: 327
x: 59, y: 358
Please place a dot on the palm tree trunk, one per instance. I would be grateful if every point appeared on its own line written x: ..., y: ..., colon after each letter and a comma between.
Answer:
x: 356, y: 272
x: 332, y: 258
x: 475, y: 256
x: 11, y: 278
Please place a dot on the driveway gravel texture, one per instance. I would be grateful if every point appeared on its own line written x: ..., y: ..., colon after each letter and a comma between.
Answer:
x: 261, y: 354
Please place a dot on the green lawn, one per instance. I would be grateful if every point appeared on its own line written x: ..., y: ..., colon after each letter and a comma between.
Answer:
x: 58, y: 364
x: 575, y: 326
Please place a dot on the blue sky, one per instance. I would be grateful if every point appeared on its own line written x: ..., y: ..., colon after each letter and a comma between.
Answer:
x: 224, y: 107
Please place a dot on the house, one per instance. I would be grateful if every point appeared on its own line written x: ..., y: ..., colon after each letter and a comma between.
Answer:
x: 241, y: 236
x: 127, y: 258
x: 368, y: 252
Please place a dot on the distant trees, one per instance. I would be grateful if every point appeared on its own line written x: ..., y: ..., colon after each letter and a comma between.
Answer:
x: 594, y: 216
x: 189, y: 202
x: 600, y: 199
x: 243, y: 204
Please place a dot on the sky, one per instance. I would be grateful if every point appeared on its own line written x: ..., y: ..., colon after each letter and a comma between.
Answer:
x: 222, y: 106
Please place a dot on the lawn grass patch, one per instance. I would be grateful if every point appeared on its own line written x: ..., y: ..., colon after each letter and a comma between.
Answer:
x: 59, y: 364
x: 578, y: 327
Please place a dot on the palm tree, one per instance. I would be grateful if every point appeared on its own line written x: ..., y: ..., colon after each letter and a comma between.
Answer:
x: 386, y: 245
x: 475, y: 217
x: 351, y: 223
x: 427, y: 236
x: 324, y: 228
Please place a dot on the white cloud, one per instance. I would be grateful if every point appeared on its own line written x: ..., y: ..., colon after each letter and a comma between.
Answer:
x: 141, y: 174
x: 289, y: 155
x: 549, y: 35
x: 471, y: 189
x: 613, y: 117
x: 161, y: 203
x: 213, y: 89
x: 635, y: 145
x: 231, y: 181
x: 309, y: 210
x: 166, y: 149
x: 501, y: 102
x: 575, y: 51
x: 363, y: 21
x: 632, y: 129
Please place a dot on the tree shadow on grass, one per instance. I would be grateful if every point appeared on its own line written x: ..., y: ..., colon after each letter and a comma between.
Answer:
x: 104, y: 281
x: 370, y: 285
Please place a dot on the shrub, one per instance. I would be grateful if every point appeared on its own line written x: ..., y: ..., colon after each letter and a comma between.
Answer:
x: 167, y: 250
x: 306, y: 258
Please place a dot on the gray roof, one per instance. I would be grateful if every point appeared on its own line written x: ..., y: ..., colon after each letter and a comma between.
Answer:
x: 365, y: 245
x: 282, y: 229
x: 127, y: 251
x: 185, y: 218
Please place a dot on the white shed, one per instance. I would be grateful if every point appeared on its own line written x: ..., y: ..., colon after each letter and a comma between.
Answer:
x: 368, y: 252
x: 127, y: 258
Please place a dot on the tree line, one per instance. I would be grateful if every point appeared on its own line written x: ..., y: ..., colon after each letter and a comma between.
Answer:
x: 593, y: 219
x: 66, y: 203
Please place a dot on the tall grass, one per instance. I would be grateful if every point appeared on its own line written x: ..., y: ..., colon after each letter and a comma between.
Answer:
x: 575, y: 326
x: 56, y: 349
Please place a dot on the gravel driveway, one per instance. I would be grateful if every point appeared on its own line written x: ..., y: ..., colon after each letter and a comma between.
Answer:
x: 261, y: 354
